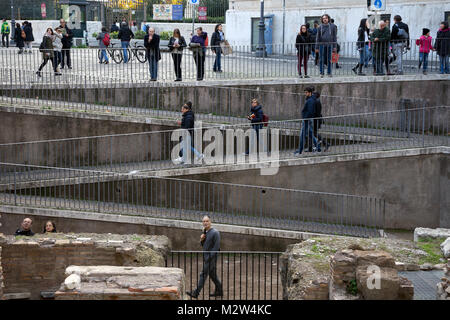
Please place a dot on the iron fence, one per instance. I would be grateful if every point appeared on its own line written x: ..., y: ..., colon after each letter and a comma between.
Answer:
x: 189, y: 200
x: 240, y: 64
x: 150, y: 152
x: 244, y: 275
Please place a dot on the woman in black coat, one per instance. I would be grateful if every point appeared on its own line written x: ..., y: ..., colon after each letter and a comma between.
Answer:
x: 29, y: 38
x: 176, y: 46
x: 363, y: 46
x: 303, y: 43
x: 18, y: 38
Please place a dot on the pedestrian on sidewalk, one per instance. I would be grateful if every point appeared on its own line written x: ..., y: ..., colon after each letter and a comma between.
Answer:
x: 210, y: 242
x: 6, y: 30
x: 103, y: 42
x: 188, y: 123
x: 29, y: 38
x: 57, y: 45
x: 326, y: 39
x: 363, y: 47
x: 18, y: 38
x: 67, y: 44
x: 380, y: 40
x: 125, y: 35
x: 151, y: 43
x: 304, y: 45
x: 442, y: 46
x: 308, y: 113
x: 400, y: 41
x: 217, y: 38
x: 197, y: 45
x: 425, y: 46
x: 176, y: 45
x: 317, y: 123
x: 46, y: 48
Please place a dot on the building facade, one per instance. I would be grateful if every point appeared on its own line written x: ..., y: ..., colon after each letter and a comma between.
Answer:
x: 242, y: 18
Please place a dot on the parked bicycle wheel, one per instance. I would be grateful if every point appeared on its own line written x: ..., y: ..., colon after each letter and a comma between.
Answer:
x: 140, y: 54
x: 116, y: 55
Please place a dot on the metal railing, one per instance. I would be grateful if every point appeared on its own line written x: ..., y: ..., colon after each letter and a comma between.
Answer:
x: 179, y: 199
x: 240, y: 64
x: 244, y: 275
x: 158, y: 150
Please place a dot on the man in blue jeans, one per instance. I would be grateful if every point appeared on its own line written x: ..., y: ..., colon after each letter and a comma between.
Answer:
x: 151, y: 43
x: 308, y: 113
x: 326, y: 43
x: 125, y: 35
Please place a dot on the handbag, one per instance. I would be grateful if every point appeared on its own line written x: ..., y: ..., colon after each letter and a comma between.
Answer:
x: 226, y: 48
x: 334, y: 57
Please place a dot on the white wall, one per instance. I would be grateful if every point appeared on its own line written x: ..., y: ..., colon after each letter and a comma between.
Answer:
x: 417, y: 16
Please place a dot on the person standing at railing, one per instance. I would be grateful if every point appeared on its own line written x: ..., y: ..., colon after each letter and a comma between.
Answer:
x: 46, y: 48
x: 102, y: 45
x: 57, y: 45
x: 18, y: 38
x: 176, y: 46
x: 197, y: 45
x: 303, y: 44
x: 326, y: 40
x: 151, y: 43
x: 389, y: 57
x: 210, y: 241
x: 363, y: 47
x: 6, y: 30
x: 425, y: 46
x: 217, y: 38
x: 314, y: 35
x: 308, y: 112
x: 442, y: 46
x: 125, y: 35
x: 380, y: 46
x: 29, y: 38
x: 67, y: 44
x: 400, y: 41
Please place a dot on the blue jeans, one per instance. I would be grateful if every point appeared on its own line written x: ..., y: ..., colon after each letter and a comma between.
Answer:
x: 423, y: 58
x: 364, y: 56
x: 444, y: 62
x: 125, y: 45
x: 325, y: 53
x: 185, y: 143
x: 217, y: 63
x: 103, y: 56
x: 153, y: 66
x: 307, y: 130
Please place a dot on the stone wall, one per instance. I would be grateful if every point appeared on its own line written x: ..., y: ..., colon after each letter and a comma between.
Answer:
x: 443, y: 288
x: 37, y: 264
x: 1, y: 271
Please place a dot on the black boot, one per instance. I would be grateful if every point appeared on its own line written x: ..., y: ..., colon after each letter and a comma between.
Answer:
x: 356, y: 67
x: 360, y: 73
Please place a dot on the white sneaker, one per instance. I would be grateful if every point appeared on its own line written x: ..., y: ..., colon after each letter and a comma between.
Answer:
x: 178, y: 160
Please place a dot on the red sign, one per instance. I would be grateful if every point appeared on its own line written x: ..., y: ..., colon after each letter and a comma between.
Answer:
x: 202, y: 13
x: 43, y: 10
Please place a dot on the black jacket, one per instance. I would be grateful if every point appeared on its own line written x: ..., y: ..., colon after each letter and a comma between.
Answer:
x: 181, y: 42
x: 18, y: 38
x: 211, y: 243
x: 394, y: 34
x: 442, y: 43
x: 215, y: 41
x: 67, y: 41
x: 258, y: 112
x: 304, y: 44
x: 152, y: 46
x: 114, y: 28
x: 125, y: 34
x: 29, y: 32
x: 187, y: 122
x: 309, y: 109
x: 362, y: 32
x: 20, y: 232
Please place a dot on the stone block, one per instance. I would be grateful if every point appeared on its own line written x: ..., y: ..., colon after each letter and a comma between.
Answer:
x: 445, y: 247
x: 430, y: 233
x: 124, y: 283
x: 406, y: 290
x: 385, y: 288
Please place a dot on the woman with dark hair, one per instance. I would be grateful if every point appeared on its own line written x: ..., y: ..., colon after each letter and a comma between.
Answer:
x: 442, y: 47
x: 47, y: 52
x: 29, y: 38
x: 216, y: 39
x: 363, y: 46
x: 176, y: 45
x: 50, y: 226
x: 303, y: 43
x: 18, y: 38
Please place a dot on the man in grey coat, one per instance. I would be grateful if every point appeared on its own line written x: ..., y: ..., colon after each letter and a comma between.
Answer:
x: 210, y: 241
x: 326, y: 43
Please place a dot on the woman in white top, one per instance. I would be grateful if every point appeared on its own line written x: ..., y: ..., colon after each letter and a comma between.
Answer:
x: 57, y: 47
x: 176, y: 45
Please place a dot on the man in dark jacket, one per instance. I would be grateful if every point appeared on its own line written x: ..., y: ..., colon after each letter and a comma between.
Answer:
x: 256, y: 119
x: 125, y: 35
x: 442, y: 46
x: 400, y: 41
x: 187, y: 122
x: 317, y: 123
x: 151, y: 43
x: 25, y: 229
x: 67, y: 44
x: 380, y: 46
x: 326, y: 43
x: 308, y: 113
x: 210, y: 241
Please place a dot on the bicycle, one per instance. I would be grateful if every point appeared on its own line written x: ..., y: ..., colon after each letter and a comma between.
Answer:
x: 114, y: 53
x: 139, y: 52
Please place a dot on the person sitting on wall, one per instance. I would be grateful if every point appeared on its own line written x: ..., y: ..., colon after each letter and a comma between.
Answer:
x: 50, y: 226
x: 25, y: 229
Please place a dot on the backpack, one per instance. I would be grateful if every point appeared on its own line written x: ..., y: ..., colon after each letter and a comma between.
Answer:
x: 206, y: 41
x: 7, y: 28
x: 402, y: 34
x: 106, y: 39
x: 265, y: 120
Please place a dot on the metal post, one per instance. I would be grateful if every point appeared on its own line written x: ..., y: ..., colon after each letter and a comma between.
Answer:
x: 193, y: 18
x: 284, y: 22
x: 261, y: 48
x: 13, y: 23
